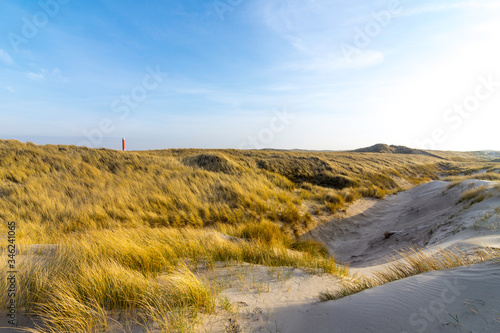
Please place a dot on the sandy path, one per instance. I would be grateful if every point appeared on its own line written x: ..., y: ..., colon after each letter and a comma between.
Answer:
x: 423, y: 216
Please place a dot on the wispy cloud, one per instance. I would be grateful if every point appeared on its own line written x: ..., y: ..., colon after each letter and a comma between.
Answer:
x: 447, y: 5
x: 10, y: 89
x: 303, y: 23
x: 281, y: 88
x: 5, y: 57
x: 314, y: 30
x: 58, y: 76
x: 334, y: 62
x: 35, y: 76
x: 43, y: 74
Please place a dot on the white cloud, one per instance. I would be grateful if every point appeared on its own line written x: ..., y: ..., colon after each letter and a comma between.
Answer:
x: 483, y: 4
x: 305, y: 24
x: 35, y: 76
x: 314, y: 30
x: 281, y: 88
x: 10, y: 89
x: 491, y: 28
x: 5, y: 57
x: 58, y: 76
x: 364, y: 58
x: 439, y: 7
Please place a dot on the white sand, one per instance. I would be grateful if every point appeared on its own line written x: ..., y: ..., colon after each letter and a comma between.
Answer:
x: 424, y: 216
x: 258, y: 292
x: 460, y: 300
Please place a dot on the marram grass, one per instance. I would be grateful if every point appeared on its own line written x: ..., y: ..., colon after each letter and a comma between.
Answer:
x: 54, y: 190
x: 126, y: 231
x: 145, y: 273
x: 412, y: 262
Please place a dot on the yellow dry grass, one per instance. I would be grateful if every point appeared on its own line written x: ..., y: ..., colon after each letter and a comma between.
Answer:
x: 145, y: 274
x: 54, y: 190
x: 128, y: 230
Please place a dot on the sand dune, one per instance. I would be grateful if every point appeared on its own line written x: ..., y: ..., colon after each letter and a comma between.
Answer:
x: 465, y: 299
x: 424, y: 216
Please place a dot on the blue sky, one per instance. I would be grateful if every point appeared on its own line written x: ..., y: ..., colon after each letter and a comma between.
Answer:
x: 309, y: 74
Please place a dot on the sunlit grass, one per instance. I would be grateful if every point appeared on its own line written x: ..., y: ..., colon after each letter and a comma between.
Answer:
x: 127, y: 231
x: 54, y: 190
x: 145, y: 273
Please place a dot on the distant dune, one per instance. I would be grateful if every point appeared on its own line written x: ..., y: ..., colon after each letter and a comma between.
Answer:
x: 392, y: 149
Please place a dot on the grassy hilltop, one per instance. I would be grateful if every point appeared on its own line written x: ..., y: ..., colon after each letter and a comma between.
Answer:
x: 54, y: 190
x: 129, y: 229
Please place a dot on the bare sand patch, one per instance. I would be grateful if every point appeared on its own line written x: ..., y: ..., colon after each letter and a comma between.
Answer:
x: 425, y: 216
x: 254, y: 293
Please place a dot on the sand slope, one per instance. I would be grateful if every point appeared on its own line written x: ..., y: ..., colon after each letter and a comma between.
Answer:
x: 423, y: 216
x: 465, y: 299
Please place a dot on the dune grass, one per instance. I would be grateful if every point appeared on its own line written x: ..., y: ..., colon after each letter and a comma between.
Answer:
x: 474, y: 195
x: 129, y: 229
x: 412, y: 262
x: 59, y: 189
x: 145, y: 274
x: 478, y: 194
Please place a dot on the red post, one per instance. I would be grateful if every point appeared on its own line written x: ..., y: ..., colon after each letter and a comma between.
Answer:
x: 123, y: 144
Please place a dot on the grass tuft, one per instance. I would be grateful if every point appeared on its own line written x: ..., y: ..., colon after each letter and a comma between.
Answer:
x: 474, y: 195
x: 413, y: 262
